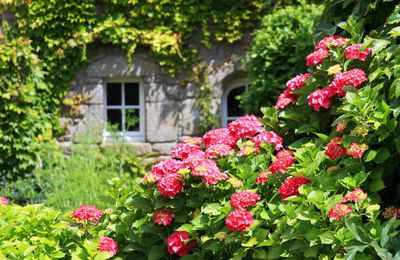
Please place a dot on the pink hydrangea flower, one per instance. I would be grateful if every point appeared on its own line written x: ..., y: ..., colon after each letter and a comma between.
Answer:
x: 284, y: 159
x: 341, y: 126
x: 298, y: 82
x: 239, y: 220
x: 316, y: 57
x: 171, y: 185
x: 356, y: 150
x: 90, y: 213
x: 219, y: 136
x: 340, y: 210
x: 219, y: 150
x: 167, y: 167
x: 163, y: 217
x: 196, y: 158
x: 245, y: 127
x: 4, y: 201
x: 319, y: 98
x: 334, y: 148
x: 182, y: 150
x: 262, y: 178
x: 244, y: 199
x: 354, y: 77
x: 331, y: 41
x: 193, y: 140
x: 108, y: 245
x: 180, y: 243
x: 269, y: 137
x: 214, y: 178
x: 353, y: 52
x: 354, y: 196
x: 392, y: 212
x: 286, y: 98
x: 290, y: 187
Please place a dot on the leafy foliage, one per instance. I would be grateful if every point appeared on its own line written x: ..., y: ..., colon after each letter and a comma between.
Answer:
x: 277, y: 53
x: 26, y: 121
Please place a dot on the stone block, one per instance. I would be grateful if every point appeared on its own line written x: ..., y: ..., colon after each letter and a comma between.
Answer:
x: 190, y: 115
x: 164, y: 148
x: 162, y: 121
x: 154, y: 92
x: 142, y: 148
x: 116, y: 65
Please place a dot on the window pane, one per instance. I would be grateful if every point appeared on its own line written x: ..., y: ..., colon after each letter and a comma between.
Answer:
x: 114, y: 118
x: 132, y: 120
x: 233, y: 104
x: 114, y: 94
x: 131, y: 93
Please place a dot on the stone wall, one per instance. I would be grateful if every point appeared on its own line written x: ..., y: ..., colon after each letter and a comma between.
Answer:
x: 170, y: 106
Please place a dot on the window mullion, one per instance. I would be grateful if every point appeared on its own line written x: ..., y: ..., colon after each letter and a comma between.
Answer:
x: 123, y: 106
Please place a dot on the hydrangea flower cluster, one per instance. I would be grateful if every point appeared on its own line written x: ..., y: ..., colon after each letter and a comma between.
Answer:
x: 4, y: 201
x: 334, y: 148
x: 171, y: 185
x: 163, y: 217
x: 354, y: 52
x: 108, y: 245
x: 219, y: 136
x: 391, y: 212
x: 354, y: 196
x: 322, y: 97
x: 268, y: 137
x: 356, y: 150
x: 284, y: 159
x: 89, y: 213
x: 180, y: 243
x: 262, y: 178
x: 340, y: 210
x: 245, y: 127
x: 290, y: 187
x: 239, y: 220
x: 243, y: 199
x: 341, y: 126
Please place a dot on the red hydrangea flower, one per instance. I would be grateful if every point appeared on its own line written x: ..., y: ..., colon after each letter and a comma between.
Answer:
x: 286, y: 98
x: 193, y: 140
x: 269, y: 137
x: 171, y: 185
x: 354, y: 77
x: 239, y: 220
x: 392, y: 212
x: 219, y: 150
x: 263, y: 177
x: 353, y: 52
x: 334, y: 149
x: 341, y: 126
x: 340, y: 210
x: 163, y: 217
x: 316, y: 57
x: 244, y: 199
x: 219, y: 136
x: 284, y: 159
x: 245, y: 127
x: 331, y: 41
x: 357, y: 150
x: 182, y: 150
x: 298, y: 82
x: 167, y: 167
x: 290, y: 187
x: 4, y: 201
x: 108, y: 245
x: 196, y: 158
x: 320, y: 98
x: 356, y: 195
x: 180, y: 243
x: 85, y: 212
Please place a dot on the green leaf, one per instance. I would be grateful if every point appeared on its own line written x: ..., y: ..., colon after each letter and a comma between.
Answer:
x: 316, y: 197
x: 156, y: 252
x: 259, y: 253
x: 370, y: 155
x: 211, y: 209
x: 382, y: 155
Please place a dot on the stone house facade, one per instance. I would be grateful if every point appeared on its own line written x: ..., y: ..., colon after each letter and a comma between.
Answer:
x: 150, y: 109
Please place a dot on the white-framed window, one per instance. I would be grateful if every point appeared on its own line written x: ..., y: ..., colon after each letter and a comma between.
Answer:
x: 231, y: 109
x: 124, y: 109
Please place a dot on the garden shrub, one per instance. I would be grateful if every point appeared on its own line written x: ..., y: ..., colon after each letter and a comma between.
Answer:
x: 312, y: 182
x: 37, y: 232
x: 277, y: 51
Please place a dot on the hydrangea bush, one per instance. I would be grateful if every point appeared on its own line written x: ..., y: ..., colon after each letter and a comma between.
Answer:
x: 305, y: 181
